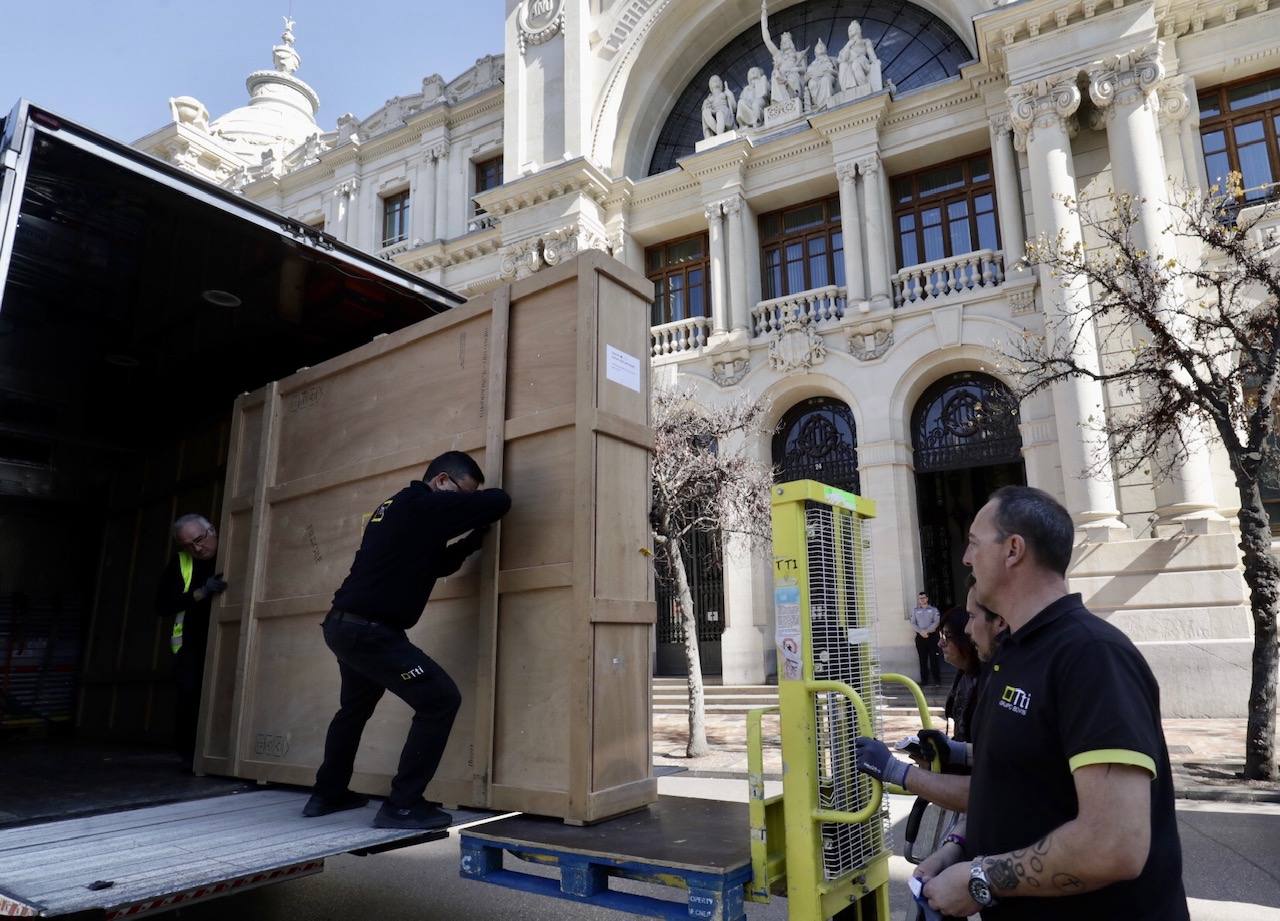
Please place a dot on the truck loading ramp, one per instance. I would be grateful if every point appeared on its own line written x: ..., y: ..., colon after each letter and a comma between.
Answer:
x: 140, y: 861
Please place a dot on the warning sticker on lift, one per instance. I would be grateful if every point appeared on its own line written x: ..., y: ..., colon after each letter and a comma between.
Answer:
x: 788, y: 634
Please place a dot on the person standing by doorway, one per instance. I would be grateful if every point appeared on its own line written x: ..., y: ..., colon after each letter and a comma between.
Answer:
x: 925, y: 620
x: 185, y: 593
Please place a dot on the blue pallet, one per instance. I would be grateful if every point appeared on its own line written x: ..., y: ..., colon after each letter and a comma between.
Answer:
x: 714, y: 896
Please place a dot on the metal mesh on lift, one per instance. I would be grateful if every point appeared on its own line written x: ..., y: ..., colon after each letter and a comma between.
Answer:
x: 844, y: 649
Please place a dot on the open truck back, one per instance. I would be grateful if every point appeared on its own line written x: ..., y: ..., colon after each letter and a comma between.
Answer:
x: 136, y: 303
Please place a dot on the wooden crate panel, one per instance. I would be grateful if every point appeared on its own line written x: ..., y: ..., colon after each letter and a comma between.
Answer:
x: 621, y: 736
x: 233, y: 554
x: 538, y: 472
x: 220, y: 686
x: 242, y: 467
x: 428, y: 386
x: 622, y: 569
x: 532, y: 697
x: 543, y: 363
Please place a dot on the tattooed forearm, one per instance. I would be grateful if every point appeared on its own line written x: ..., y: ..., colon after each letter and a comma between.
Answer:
x: 1067, y: 883
x: 1003, y: 873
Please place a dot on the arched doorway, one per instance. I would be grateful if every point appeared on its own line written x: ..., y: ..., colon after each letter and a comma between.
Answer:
x: 964, y: 433
x: 817, y: 440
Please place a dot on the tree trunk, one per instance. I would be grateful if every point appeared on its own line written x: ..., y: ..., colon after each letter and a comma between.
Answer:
x: 1262, y: 574
x: 697, y: 705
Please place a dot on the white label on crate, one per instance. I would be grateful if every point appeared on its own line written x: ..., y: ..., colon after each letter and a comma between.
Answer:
x: 622, y: 368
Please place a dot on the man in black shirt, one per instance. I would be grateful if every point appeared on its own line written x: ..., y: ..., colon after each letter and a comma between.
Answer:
x: 1071, y: 799
x: 185, y: 593
x: 404, y: 550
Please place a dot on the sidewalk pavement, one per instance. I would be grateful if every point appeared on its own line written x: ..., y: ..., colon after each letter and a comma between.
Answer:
x: 1207, y: 755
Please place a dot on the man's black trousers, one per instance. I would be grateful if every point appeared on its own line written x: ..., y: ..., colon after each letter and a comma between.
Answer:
x: 927, y: 650
x: 373, y: 658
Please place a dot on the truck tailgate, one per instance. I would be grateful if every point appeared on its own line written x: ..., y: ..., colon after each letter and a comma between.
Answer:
x: 139, y: 861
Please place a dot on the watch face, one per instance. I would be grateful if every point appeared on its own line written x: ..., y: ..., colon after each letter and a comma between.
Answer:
x: 979, y: 888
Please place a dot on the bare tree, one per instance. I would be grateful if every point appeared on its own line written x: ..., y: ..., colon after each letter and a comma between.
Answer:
x: 706, y: 479
x: 1200, y: 357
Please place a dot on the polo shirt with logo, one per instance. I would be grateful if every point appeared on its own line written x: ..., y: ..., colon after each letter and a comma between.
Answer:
x: 1065, y: 691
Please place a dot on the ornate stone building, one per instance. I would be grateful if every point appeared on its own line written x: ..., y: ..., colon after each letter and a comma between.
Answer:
x: 831, y: 198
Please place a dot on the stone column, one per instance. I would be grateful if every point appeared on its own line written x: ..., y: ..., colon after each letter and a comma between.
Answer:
x: 746, y: 646
x: 424, y: 209
x: 1043, y: 112
x: 851, y: 231
x: 344, y: 199
x: 1004, y: 161
x: 442, y: 192
x: 1175, y: 105
x: 715, y: 224
x: 1123, y: 88
x: 739, y: 311
x: 878, y: 270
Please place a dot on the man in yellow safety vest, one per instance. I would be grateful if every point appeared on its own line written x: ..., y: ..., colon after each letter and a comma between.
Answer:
x: 185, y: 593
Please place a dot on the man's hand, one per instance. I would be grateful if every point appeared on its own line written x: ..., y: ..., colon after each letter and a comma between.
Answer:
x: 475, y: 540
x: 872, y: 757
x: 214, y: 585
x: 948, y: 892
x: 938, y: 861
x: 950, y: 753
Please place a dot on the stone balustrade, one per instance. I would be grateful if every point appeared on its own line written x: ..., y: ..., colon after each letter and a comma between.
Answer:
x: 942, y: 279
x: 819, y: 307
x: 686, y: 335
x: 482, y: 222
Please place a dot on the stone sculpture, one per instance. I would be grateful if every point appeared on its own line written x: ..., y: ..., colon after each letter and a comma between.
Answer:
x: 859, y: 65
x: 753, y: 99
x: 820, y: 78
x: 718, y: 109
x: 787, y: 83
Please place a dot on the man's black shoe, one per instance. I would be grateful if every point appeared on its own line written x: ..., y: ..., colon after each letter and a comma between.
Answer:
x: 422, y: 816
x: 324, y: 805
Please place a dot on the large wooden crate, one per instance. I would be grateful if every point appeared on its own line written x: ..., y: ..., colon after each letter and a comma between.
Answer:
x: 546, y: 632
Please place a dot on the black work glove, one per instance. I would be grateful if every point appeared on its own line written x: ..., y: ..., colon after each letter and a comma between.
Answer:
x: 214, y: 585
x: 951, y: 755
x: 475, y: 540
x: 871, y: 756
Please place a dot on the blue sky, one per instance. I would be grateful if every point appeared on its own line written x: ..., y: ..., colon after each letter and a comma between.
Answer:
x: 113, y: 64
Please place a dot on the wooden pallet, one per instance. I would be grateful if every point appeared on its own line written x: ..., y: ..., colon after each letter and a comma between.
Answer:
x: 700, y: 846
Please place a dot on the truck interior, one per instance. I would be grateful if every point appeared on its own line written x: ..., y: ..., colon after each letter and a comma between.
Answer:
x: 137, y: 304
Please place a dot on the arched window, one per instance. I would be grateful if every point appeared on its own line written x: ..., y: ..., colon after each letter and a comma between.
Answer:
x: 817, y: 441
x: 915, y: 49
x: 968, y: 419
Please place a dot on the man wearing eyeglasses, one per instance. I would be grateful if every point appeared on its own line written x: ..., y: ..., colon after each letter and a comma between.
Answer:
x: 185, y: 593
x: 405, y: 549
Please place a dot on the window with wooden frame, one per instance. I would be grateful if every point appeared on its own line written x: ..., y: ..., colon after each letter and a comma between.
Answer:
x: 945, y: 210
x: 1239, y: 126
x: 488, y: 174
x: 680, y: 272
x: 801, y: 248
x: 395, y: 218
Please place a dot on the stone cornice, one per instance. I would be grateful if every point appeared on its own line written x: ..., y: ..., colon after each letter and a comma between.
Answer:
x: 863, y: 115
x: 576, y: 176
x: 725, y: 158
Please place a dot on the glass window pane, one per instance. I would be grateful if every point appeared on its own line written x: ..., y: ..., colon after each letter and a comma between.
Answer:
x: 1253, y: 94
x: 931, y: 234
x: 819, y: 277
x: 685, y: 251
x: 958, y: 224
x: 988, y: 234
x: 770, y: 226
x: 772, y: 273
x: 675, y: 289
x: 837, y: 257
x: 941, y: 179
x: 795, y: 268
x: 833, y: 209
x: 660, y: 314
x: 1209, y: 106
x: 902, y: 189
x: 1216, y: 167
x: 1213, y: 141
x: 1251, y: 147
x: 697, y: 294
x: 980, y: 169
x: 800, y: 218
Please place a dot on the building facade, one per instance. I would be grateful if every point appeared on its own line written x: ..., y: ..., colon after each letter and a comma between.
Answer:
x: 832, y: 199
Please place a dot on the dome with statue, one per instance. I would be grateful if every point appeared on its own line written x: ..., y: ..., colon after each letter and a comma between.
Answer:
x: 281, y: 112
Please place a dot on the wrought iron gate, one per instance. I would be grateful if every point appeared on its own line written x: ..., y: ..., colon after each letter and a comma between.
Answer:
x: 701, y: 552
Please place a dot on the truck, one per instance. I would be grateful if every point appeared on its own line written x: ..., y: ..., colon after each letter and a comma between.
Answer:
x: 136, y: 302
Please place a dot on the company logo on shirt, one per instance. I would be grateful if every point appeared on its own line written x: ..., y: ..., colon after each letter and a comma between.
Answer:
x: 1015, y: 700
x: 382, y: 511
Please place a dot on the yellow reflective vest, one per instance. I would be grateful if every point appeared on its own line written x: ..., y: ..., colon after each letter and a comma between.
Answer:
x: 185, y: 566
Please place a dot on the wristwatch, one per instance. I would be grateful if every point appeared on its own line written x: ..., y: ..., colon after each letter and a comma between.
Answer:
x: 979, y: 886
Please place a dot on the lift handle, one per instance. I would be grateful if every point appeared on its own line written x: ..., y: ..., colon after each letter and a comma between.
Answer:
x: 864, y: 727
